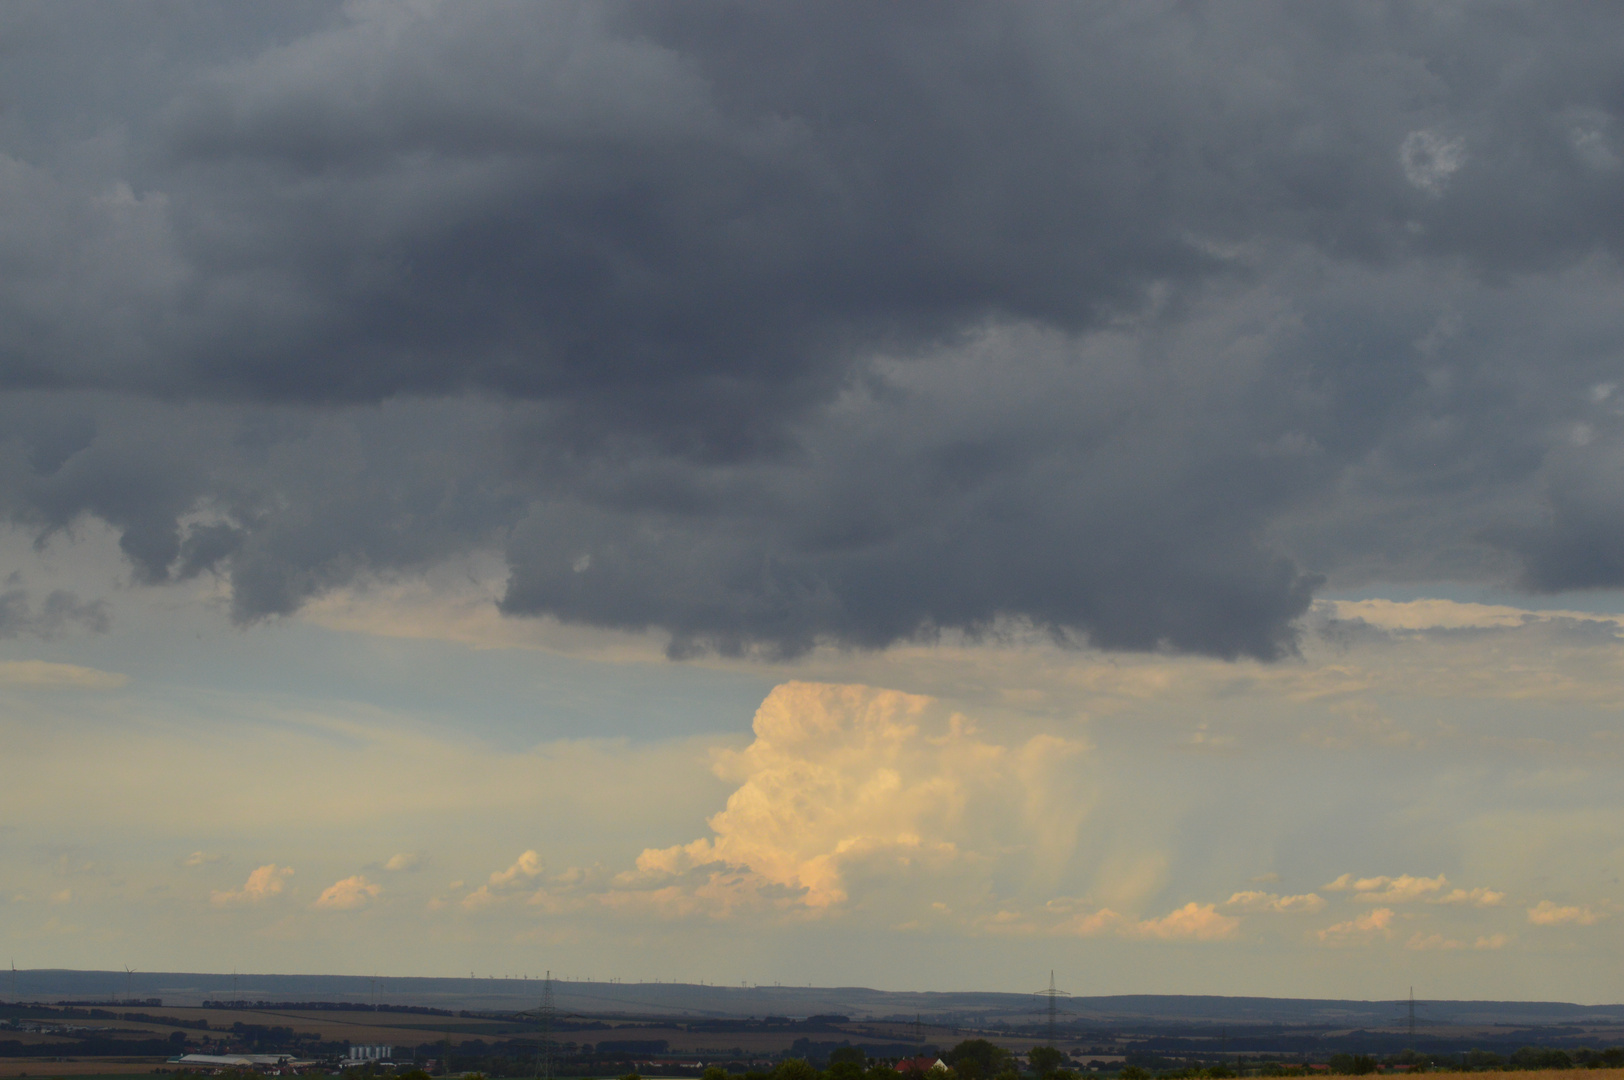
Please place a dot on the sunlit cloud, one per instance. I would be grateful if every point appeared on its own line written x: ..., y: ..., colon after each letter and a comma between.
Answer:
x: 347, y: 895
x: 403, y: 861
x: 842, y: 777
x: 1387, y: 890
x: 1252, y: 900
x: 1478, y: 897
x: 1192, y: 922
x: 1371, y: 924
x: 1549, y: 913
x: 1198, y: 922
x: 263, y: 883
x: 526, y: 866
x: 1420, y: 942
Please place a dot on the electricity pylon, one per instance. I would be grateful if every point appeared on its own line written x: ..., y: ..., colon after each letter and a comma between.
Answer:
x: 1053, y: 995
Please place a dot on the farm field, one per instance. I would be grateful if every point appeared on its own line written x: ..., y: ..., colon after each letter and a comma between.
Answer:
x: 78, y: 1070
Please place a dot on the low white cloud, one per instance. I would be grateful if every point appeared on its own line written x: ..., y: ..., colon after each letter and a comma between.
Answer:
x: 1199, y: 922
x: 1387, y: 890
x: 406, y: 860
x: 1548, y: 913
x: 202, y: 858
x: 1192, y: 922
x: 263, y: 883
x: 1492, y: 941
x: 525, y: 867
x: 1420, y: 942
x: 1253, y: 900
x: 1369, y: 925
x: 347, y: 895
x: 1478, y: 897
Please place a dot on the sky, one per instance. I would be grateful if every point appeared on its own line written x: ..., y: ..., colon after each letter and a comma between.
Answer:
x: 906, y: 495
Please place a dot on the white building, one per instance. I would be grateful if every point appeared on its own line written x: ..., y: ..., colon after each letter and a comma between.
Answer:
x: 377, y: 1052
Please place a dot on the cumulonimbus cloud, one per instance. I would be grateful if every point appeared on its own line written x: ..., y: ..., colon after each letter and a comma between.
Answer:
x: 846, y: 777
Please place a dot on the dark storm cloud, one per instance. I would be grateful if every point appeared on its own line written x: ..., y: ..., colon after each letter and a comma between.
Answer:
x: 59, y: 611
x: 768, y: 324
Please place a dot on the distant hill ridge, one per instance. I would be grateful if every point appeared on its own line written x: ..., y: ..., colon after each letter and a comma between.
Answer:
x: 699, y: 1000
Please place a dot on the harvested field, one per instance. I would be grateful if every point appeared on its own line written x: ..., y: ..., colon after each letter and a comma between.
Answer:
x: 1543, y: 1074
x: 76, y: 1067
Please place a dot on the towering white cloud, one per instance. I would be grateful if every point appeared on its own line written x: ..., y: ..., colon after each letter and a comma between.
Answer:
x: 843, y: 782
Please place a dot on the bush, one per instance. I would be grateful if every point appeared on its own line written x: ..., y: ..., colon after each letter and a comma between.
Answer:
x: 795, y: 1069
x: 1541, y: 1057
x: 1352, y: 1064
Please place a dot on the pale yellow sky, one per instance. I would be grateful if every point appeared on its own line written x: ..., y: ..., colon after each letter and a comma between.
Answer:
x: 1427, y: 794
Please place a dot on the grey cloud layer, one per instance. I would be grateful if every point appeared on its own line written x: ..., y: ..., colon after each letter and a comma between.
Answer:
x: 768, y: 325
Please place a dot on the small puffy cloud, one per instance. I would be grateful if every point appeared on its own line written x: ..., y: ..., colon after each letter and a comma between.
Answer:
x: 1093, y: 924
x: 1387, y: 890
x: 263, y: 883
x: 525, y: 867
x: 63, y: 897
x: 1547, y: 913
x: 1366, y: 926
x: 406, y: 860
x: 1430, y: 158
x: 201, y: 858
x: 1253, y: 900
x: 1420, y: 942
x: 1478, y: 897
x: 347, y: 895
x: 480, y: 898
x: 847, y: 781
x: 1193, y: 921
x: 1491, y: 941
